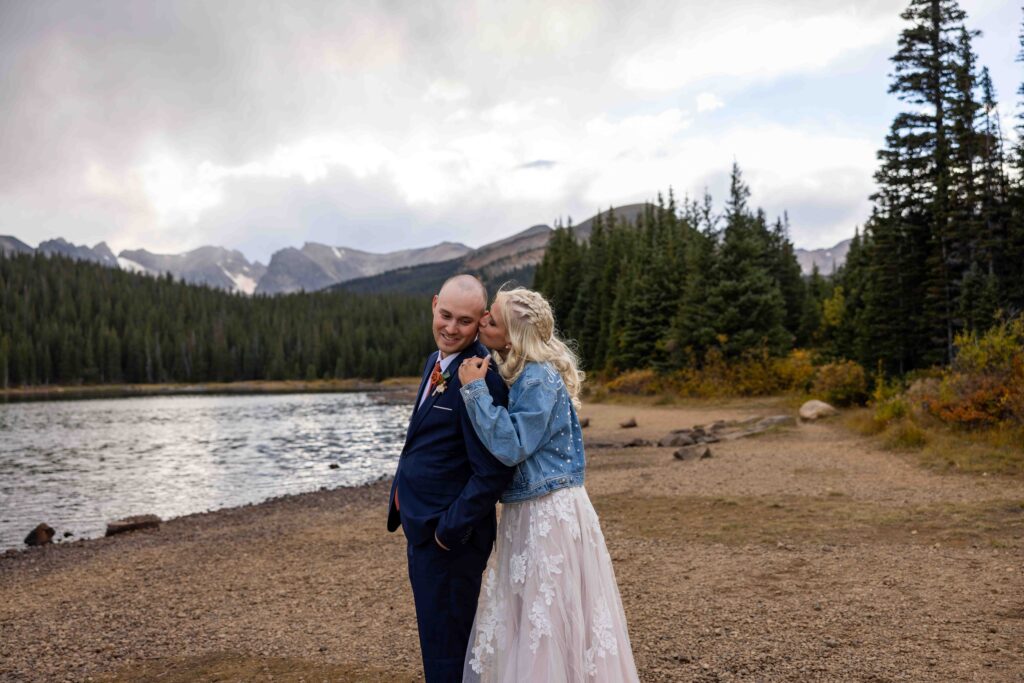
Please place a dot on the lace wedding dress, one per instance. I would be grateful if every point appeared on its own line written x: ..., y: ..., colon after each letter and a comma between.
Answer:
x: 549, y: 607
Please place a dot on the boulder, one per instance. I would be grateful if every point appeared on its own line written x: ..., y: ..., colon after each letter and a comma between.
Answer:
x: 695, y: 452
x: 133, y: 524
x: 815, y: 410
x: 628, y: 424
x: 41, y: 535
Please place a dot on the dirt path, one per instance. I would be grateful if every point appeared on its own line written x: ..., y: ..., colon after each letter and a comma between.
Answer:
x: 800, y: 555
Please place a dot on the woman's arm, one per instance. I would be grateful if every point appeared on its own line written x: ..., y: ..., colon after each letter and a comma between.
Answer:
x: 515, y: 433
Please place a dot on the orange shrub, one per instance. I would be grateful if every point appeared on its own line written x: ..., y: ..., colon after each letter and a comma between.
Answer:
x: 985, y: 385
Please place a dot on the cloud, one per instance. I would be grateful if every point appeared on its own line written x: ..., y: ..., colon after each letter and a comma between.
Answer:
x: 707, y: 101
x: 539, y: 163
x: 753, y: 41
x: 373, y: 125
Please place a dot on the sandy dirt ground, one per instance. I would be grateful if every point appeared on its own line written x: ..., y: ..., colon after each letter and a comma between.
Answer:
x: 804, y: 554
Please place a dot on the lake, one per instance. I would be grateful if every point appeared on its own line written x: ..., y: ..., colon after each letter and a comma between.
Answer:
x: 78, y: 464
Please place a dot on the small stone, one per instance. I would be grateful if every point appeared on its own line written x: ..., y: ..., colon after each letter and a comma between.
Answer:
x: 677, y: 438
x: 697, y: 452
x: 637, y: 443
x: 41, y: 535
x: 628, y: 424
x: 584, y: 422
x: 334, y: 465
x: 68, y: 534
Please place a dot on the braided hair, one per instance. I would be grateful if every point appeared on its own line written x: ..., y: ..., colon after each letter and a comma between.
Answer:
x: 531, y: 330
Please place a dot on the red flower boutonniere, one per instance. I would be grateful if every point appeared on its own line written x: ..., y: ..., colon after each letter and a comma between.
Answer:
x: 440, y: 381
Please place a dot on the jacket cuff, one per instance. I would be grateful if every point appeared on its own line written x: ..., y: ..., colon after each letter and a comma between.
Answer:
x: 474, y: 389
x: 449, y: 539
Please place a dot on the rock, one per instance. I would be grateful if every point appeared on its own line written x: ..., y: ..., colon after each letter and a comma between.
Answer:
x: 679, y: 437
x: 41, y: 535
x: 133, y: 524
x: 628, y: 424
x: 584, y: 422
x: 68, y: 534
x: 334, y: 465
x: 696, y: 452
x: 637, y: 443
x: 815, y: 410
x: 776, y: 421
x: 716, y: 425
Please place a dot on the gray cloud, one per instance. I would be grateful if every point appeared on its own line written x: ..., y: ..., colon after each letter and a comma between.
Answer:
x: 95, y: 91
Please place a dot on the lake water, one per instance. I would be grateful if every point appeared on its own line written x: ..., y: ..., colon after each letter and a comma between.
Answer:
x: 78, y: 464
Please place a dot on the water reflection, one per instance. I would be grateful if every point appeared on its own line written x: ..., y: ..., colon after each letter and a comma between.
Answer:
x: 78, y: 464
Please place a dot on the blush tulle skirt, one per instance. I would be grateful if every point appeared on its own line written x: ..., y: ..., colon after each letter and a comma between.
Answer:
x: 549, y: 606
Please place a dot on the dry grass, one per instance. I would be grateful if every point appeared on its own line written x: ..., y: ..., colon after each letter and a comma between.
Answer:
x: 998, y: 450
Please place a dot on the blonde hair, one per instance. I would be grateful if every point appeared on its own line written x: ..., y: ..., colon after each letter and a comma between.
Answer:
x: 531, y: 331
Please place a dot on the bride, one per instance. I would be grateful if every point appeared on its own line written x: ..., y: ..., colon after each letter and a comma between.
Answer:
x: 550, y: 608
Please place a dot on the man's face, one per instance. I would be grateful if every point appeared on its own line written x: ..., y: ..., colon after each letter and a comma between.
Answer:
x: 457, y: 314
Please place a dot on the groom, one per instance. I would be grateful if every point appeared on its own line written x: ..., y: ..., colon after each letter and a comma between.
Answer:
x: 447, y: 485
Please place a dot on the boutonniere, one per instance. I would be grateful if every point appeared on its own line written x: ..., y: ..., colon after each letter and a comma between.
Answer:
x: 440, y: 383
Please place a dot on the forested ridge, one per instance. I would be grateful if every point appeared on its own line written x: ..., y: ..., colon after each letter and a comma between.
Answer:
x: 942, y: 253
x: 73, y: 322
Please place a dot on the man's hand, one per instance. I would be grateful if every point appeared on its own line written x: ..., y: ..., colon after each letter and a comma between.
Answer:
x: 473, y: 368
x: 438, y: 541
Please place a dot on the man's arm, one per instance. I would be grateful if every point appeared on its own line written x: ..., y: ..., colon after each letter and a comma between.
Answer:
x: 490, y: 478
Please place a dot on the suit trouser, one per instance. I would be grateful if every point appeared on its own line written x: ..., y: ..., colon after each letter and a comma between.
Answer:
x: 445, y: 588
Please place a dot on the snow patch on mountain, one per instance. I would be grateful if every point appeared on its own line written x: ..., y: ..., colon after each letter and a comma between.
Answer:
x: 243, y: 283
x: 133, y: 267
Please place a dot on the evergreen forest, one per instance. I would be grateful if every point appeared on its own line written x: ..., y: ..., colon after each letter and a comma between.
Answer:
x: 941, y: 255
x: 74, y: 322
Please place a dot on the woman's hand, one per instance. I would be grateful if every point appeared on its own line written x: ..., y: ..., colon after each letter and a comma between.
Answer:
x: 473, y: 368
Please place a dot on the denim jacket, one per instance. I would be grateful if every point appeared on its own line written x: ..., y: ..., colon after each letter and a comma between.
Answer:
x: 539, y: 433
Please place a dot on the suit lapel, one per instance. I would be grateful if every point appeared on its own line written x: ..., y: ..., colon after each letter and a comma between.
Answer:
x: 452, y: 370
x: 416, y: 401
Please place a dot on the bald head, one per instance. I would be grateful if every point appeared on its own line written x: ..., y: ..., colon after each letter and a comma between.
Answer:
x: 467, y: 286
x: 458, y: 308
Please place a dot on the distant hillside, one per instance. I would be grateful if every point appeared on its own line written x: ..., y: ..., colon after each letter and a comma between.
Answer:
x: 318, y: 266
x: 827, y: 260
x: 512, y: 259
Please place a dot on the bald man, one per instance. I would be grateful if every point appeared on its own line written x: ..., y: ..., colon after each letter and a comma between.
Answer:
x: 447, y: 485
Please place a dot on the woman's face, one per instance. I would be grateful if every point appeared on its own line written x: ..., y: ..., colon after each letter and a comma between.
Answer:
x: 493, y: 333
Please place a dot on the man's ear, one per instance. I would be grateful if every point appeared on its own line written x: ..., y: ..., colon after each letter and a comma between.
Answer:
x: 433, y: 303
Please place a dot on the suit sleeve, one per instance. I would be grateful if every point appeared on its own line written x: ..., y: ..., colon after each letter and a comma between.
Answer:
x: 489, y: 479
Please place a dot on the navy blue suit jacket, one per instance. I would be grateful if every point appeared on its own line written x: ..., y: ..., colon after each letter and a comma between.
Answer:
x: 446, y: 481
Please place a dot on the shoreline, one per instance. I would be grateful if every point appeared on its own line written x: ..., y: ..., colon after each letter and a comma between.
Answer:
x: 280, y: 499
x: 806, y: 553
x: 98, y: 391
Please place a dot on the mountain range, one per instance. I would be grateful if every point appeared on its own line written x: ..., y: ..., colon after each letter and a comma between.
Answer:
x: 318, y: 266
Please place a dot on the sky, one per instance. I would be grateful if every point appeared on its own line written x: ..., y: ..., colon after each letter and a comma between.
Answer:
x: 384, y: 125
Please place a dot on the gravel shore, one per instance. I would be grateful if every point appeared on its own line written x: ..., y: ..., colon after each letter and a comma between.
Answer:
x: 805, y: 554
